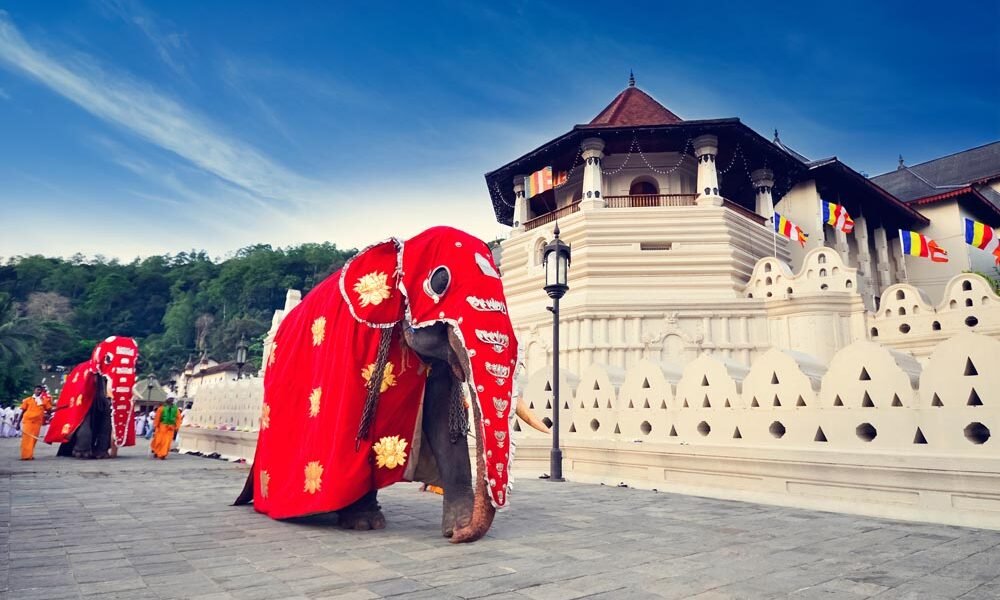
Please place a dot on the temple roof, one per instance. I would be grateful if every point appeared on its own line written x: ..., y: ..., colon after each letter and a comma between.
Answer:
x: 944, y: 174
x: 634, y: 107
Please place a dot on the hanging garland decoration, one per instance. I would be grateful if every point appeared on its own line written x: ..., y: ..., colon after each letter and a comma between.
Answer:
x: 634, y: 147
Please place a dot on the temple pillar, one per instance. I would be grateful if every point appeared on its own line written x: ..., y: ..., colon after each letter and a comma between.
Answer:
x: 866, y: 279
x: 841, y: 246
x: 706, y: 147
x: 592, y: 152
x: 882, y: 259
x: 763, y: 183
x: 521, y: 210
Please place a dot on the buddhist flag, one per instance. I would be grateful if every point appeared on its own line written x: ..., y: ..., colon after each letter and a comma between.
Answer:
x: 915, y: 244
x: 789, y: 230
x: 539, y: 181
x: 836, y: 215
x: 981, y: 236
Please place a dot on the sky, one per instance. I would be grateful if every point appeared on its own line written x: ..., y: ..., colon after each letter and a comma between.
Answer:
x: 129, y: 129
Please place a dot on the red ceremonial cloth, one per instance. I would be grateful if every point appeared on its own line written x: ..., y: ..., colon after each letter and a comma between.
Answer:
x: 74, y: 401
x: 308, y: 457
x: 115, y: 359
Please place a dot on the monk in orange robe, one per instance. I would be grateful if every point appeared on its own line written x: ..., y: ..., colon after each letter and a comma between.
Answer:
x: 33, y: 411
x: 167, y: 422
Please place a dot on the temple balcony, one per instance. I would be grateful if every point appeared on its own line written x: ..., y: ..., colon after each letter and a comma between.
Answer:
x: 641, y: 201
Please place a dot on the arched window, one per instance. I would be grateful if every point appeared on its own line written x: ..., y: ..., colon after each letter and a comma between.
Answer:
x: 643, y: 186
x: 539, y: 252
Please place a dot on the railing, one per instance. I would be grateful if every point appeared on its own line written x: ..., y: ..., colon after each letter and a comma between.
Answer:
x: 649, y: 200
x: 552, y: 216
x: 642, y: 201
x: 749, y: 214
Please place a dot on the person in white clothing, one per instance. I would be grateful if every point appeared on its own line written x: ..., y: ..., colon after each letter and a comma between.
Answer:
x: 17, y: 422
x: 6, y: 422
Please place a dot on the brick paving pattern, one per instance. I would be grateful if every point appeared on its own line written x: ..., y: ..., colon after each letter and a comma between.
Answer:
x: 137, y: 528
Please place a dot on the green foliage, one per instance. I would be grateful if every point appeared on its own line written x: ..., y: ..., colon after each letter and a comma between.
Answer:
x: 176, y: 306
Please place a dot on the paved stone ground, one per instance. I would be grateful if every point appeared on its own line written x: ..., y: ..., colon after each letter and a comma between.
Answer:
x: 139, y: 528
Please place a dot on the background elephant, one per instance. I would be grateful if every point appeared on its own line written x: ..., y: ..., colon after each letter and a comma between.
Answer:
x: 365, y: 387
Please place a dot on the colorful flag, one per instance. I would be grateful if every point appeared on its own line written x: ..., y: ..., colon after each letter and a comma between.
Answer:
x: 915, y: 244
x: 789, y: 230
x: 836, y: 215
x: 978, y: 234
x: 559, y: 178
x: 539, y: 181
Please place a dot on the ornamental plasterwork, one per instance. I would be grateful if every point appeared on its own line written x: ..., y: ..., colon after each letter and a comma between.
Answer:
x: 671, y: 326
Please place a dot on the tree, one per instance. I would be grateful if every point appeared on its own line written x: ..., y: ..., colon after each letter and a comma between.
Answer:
x: 17, y: 339
x: 48, y: 306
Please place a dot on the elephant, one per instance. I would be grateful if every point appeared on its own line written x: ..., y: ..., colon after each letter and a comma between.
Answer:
x: 94, y: 413
x: 365, y: 387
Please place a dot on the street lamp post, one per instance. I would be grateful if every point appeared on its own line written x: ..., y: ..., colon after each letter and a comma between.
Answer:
x: 149, y: 388
x: 556, y: 260
x: 241, y: 356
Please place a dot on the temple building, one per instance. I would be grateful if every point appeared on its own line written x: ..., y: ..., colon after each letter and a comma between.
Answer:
x: 669, y: 217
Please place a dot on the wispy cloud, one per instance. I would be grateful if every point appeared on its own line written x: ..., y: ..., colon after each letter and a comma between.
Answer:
x: 169, y: 45
x: 155, y: 117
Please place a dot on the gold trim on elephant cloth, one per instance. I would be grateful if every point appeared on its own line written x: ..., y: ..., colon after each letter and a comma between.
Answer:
x: 388, y: 377
x: 265, y: 416
x: 314, y: 399
x: 390, y: 452
x: 372, y: 288
x: 314, y: 477
x: 264, y: 480
x: 319, y: 330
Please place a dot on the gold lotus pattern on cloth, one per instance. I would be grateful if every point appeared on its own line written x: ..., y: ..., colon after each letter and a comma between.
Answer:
x: 372, y: 288
x: 79, y: 400
x: 265, y: 479
x: 388, y: 376
x: 314, y: 398
x: 65, y: 429
x: 274, y: 351
x: 319, y: 330
x: 390, y: 452
x: 265, y: 416
x: 314, y: 477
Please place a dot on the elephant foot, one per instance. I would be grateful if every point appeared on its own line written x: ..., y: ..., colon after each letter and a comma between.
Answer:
x: 362, y: 521
x: 363, y: 515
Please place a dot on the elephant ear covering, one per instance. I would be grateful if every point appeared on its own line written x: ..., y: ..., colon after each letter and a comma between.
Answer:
x: 475, y: 306
x: 75, y: 398
x: 116, y: 358
x: 309, y: 457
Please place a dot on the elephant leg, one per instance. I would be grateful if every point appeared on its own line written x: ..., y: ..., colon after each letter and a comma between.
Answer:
x: 452, y: 457
x: 83, y: 440
x: 102, y: 433
x: 363, y: 515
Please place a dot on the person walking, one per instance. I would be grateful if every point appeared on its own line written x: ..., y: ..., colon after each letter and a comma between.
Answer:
x: 168, y: 421
x: 33, y: 411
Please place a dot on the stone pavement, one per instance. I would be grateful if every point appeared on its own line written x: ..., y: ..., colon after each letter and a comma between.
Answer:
x: 140, y: 528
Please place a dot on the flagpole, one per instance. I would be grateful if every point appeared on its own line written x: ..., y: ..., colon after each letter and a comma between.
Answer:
x: 902, y: 257
x: 774, y: 237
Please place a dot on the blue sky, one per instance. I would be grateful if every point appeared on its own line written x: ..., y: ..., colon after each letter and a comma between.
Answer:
x: 129, y: 129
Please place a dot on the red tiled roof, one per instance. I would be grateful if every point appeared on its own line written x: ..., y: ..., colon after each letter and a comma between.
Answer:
x: 634, y: 107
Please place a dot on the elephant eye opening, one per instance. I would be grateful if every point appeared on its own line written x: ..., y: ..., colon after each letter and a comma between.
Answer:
x: 438, y: 281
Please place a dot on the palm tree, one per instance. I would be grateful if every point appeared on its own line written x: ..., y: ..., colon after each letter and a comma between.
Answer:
x: 16, y: 334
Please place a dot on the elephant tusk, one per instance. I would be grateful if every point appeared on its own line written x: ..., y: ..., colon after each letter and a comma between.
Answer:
x: 528, y: 416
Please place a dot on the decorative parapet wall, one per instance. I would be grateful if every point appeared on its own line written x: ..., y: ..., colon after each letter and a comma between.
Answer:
x: 906, y: 320
x: 876, y: 432
x: 225, y: 418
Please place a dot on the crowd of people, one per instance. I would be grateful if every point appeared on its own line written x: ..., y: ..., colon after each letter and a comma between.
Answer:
x: 29, y: 419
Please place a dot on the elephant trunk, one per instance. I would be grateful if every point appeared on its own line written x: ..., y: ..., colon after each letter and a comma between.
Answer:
x: 482, y: 509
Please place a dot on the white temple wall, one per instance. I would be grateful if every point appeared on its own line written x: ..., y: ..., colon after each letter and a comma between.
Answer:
x: 946, y: 229
x: 801, y: 206
x: 862, y: 434
x: 982, y: 261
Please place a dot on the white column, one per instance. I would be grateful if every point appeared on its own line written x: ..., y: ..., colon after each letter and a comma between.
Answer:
x: 763, y: 183
x: 592, y: 154
x: 706, y: 147
x: 841, y: 246
x: 866, y: 284
x: 521, y: 210
x: 882, y: 259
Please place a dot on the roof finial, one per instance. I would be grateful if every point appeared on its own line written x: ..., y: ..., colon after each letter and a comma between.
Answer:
x: 631, y: 78
x: 901, y: 165
x: 777, y: 140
